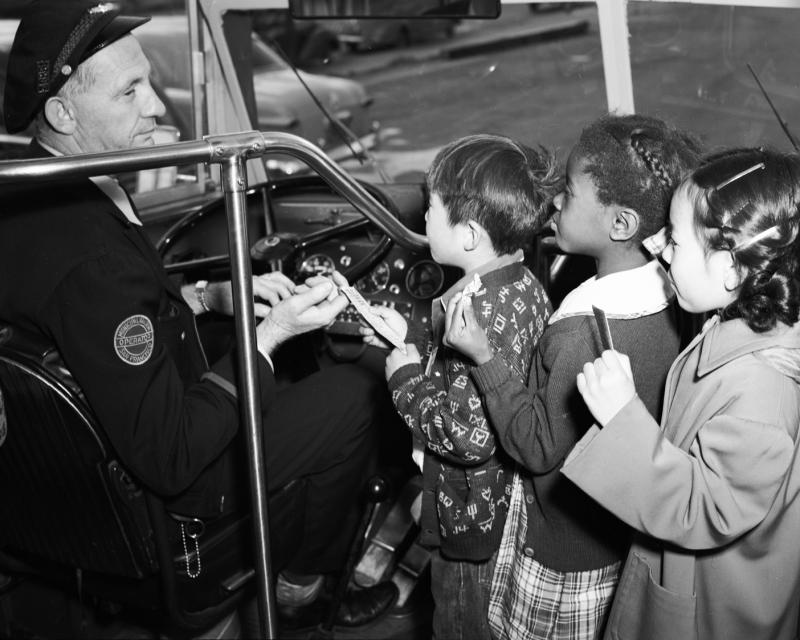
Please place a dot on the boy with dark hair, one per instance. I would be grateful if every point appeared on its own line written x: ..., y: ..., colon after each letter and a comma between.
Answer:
x: 488, y: 197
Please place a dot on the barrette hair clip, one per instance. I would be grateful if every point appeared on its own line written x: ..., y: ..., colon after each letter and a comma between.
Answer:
x: 726, y: 219
x: 741, y: 174
x: 771, y: 232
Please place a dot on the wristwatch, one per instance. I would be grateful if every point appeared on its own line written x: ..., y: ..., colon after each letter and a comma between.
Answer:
x: 200, y: 292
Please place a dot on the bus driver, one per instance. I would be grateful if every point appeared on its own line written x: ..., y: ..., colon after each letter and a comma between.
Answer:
x: 88, y: 278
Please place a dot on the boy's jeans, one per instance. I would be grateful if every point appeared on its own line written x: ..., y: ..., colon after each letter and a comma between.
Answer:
x: 461, y: 598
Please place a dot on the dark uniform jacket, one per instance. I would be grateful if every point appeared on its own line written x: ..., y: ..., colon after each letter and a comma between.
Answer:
x: 76, y: 271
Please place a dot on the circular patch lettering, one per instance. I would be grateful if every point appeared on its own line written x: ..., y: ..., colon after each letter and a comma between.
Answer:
x: 134, y: 340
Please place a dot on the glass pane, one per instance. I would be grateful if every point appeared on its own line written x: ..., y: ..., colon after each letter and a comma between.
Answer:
x: 689, y: 65
x: 535, y: 75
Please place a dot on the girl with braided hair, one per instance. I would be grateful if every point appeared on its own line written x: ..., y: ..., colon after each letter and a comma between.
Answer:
x: 560, y: 556
x: 714, y: 491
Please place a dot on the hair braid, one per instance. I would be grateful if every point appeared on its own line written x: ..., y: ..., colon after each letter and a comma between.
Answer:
x: 651, y: 161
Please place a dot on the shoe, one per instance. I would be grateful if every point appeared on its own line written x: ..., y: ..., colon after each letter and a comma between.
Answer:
x: 293, y: 618
x: 362, y: 606
x: 358, y: 607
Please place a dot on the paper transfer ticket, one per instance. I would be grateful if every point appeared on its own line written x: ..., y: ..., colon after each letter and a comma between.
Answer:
x: 375, y: 321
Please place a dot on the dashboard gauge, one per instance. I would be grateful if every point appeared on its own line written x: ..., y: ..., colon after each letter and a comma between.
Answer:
x: 376, y: 280
x: 317, y: 265
x: 424, y: 279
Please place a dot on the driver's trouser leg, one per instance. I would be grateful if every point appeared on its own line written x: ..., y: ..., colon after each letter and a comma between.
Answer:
x: 323, y: 427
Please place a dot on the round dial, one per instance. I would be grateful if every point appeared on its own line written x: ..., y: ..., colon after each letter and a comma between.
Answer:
x: 317, y: 265
x: 424, y: 279
x: 376, y: 280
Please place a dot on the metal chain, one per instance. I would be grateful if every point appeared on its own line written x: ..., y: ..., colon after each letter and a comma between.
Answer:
x: 186, y: 552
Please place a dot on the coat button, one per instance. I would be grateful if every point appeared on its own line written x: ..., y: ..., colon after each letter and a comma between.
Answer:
x: 183, y: 335
x: 529, y: 498
x: 528, y: 551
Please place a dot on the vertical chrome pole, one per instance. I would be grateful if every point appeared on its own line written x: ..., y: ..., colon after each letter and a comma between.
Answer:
x: 612, y: 16
x: 234, y: 184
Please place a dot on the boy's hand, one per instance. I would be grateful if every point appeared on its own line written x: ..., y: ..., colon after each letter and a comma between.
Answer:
x: 606, y: 385
x: 391, y: 317
x: 462, y: 331
x: 397, y: 359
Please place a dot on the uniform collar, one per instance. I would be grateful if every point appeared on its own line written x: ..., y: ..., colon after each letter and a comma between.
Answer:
x: 108, y: 185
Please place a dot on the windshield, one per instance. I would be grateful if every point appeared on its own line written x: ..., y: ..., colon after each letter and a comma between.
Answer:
x: 538, y: 73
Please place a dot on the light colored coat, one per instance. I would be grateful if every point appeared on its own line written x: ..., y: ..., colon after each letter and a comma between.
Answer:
x: 714, y: 493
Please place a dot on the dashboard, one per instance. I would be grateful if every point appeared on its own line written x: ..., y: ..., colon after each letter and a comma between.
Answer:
x: 302, y: 227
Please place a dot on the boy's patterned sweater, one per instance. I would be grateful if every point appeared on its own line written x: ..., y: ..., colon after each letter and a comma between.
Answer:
x: 467, y: 482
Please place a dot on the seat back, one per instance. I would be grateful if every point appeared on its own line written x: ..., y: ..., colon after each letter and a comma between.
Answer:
x: 67, y: 504
x: 63, y: 496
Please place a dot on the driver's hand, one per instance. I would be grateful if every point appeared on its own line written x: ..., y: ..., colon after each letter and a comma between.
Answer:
x: 271, y: 288
x: 268, y: 290
x: 315, y: 307
x: 337, y: 278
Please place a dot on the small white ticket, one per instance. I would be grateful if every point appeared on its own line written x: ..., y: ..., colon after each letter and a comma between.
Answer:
x: 375, y: 321
x: 473, y: 287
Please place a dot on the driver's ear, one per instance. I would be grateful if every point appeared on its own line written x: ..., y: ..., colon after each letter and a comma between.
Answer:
x: 59, y: 115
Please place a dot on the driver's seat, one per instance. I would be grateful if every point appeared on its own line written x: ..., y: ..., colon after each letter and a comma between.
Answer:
x: 73, y: 517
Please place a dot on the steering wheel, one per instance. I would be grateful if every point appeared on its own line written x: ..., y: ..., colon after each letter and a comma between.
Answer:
x: 284, y: 247
x: 279, y: 247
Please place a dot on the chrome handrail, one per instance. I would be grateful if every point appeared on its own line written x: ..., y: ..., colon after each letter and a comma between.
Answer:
x: 230, y: 151
x: 215, y: 149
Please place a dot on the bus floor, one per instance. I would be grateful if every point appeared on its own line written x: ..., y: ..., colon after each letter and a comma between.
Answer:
x: 410, y: 622
x: 30, y: 610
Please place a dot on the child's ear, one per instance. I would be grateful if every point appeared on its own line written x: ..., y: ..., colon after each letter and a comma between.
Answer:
x: 731, y: 276
x: 473, y: 235
x: 624, y: 224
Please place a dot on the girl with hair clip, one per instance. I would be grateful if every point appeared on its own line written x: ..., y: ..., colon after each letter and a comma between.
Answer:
x: 561, y: 553
x: 712, y: 492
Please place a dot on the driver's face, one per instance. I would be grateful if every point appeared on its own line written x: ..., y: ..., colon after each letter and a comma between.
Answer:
x: 118, y: 108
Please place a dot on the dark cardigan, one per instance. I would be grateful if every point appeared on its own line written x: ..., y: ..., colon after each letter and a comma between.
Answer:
x: 466, y: 484
x: 539, y: 424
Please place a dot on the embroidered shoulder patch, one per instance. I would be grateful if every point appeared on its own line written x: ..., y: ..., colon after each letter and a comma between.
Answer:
x: 134, y: 340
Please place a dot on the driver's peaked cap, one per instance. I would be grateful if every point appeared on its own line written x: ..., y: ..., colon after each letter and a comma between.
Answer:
x: 52, y: 39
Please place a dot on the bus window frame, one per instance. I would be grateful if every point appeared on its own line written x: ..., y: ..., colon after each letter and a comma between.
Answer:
x: 218, y: 97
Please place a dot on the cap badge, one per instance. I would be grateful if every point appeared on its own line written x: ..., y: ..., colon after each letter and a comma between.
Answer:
x: 102, y: 8
x: 42, y: 76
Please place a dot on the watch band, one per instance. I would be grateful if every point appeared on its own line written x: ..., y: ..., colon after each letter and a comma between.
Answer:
x: 200, y: 292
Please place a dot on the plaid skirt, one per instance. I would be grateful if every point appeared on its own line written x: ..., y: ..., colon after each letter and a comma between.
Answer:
x: 529, y: 601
